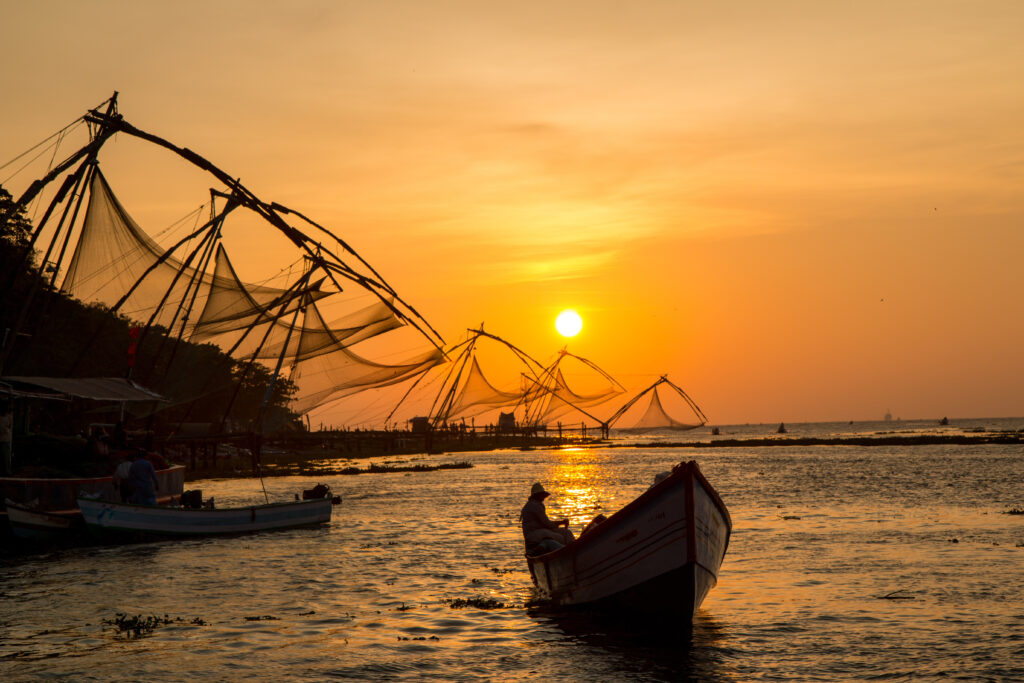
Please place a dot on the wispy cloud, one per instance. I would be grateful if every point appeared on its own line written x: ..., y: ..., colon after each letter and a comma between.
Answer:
x: 549, y: 269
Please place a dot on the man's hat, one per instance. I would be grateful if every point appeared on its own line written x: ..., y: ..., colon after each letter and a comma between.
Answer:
x: 538, y: 488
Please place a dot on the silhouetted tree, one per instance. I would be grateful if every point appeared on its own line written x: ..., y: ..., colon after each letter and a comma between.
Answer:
x: 17, y: 229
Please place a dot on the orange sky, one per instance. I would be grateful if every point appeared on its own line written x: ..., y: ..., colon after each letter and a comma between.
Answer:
x: 797, y: 211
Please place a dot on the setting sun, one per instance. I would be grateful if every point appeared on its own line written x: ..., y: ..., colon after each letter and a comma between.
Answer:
x: 569, y: 323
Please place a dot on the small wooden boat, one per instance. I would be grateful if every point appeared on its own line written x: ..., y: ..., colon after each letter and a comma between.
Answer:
x: 33, y: 524
x: 104, y: 518
x: 660, y: 554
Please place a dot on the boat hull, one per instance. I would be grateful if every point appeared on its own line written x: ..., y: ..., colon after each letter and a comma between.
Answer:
x: 37, y: 525
x: 660, y: 554
x: 107, y: 519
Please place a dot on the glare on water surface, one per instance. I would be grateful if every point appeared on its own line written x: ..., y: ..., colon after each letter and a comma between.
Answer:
x: 820, y: 535
x: 578, y: 483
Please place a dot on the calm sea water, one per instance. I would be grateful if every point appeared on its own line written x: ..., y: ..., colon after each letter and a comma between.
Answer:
x: 821, y: 534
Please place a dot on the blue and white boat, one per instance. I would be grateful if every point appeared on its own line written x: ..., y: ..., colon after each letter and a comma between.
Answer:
x: 106, y: 519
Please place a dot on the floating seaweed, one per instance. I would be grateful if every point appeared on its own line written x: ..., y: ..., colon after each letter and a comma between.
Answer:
x: 265, y: 617
x: 1014, y: 511
x: 140, y: 625
x: 416, y: 638
x: 479, y: 603
x: 306, y: 470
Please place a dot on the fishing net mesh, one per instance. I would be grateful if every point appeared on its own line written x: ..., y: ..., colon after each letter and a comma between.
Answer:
x: 655, y: 417
x: 268, y: 324
x: 478, y: 395
x: 553, y: 400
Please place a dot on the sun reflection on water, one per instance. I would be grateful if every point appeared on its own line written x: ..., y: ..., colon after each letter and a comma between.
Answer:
x: 579, y: 487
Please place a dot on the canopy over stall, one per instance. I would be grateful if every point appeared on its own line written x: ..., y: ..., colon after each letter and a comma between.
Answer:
x: 95, y: 388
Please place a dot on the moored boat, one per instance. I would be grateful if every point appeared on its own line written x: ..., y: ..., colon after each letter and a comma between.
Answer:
x: 660, y: 554
x: 33, y: 524
x: 104, y: 518
x: 57, y: 496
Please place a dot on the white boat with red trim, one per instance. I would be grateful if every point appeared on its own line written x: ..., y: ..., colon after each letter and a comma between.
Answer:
x: 660, y: 554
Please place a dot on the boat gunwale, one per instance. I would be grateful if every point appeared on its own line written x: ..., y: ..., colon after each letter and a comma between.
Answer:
x: 311, y: 516
x: 20, y: 507
x: 65, y: 481
x: 679, y: 474
x: 177, y: 509
x: 76, y: 511
x: 59, y: 521
x: 113, y: 532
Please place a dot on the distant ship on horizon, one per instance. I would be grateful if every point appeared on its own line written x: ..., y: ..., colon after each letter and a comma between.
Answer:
x: 888, y: 416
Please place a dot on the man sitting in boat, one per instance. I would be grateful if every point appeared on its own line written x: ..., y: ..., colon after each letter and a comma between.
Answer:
x: 542, y: 535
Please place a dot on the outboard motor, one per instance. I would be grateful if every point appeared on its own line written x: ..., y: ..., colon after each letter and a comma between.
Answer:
x: 192, y: 500
x: 318, y: 491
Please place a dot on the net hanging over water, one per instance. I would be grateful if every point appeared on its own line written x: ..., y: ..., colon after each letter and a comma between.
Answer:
x: 655, y: 416
x: 188, y: 294
x: 233, y: 307
x: 466, y: 392
x: 478, y: 395
x: 114, y: 256
x: 117, y: 263
x: 552, y: 399
x: 326, y: 370
x: 236, y: 319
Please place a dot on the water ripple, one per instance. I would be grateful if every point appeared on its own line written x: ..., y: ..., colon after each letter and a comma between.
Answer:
x: 368, y: 597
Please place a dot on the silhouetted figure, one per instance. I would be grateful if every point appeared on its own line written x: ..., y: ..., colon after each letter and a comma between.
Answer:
x: 541, y: 534
x: 143, y: 479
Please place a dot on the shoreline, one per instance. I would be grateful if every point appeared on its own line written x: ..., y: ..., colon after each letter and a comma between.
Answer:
x: 307, y: 463
x: 307, y: 469
x: 997, y: 438
x: 283, y: 459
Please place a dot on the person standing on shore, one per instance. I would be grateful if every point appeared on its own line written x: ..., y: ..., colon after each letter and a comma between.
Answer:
x: 540, y: 533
